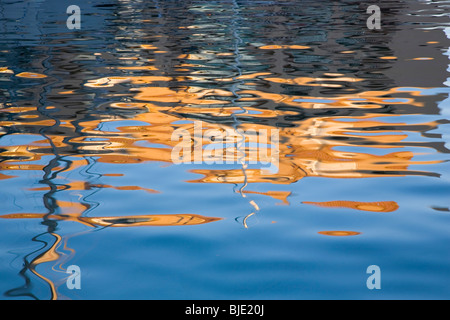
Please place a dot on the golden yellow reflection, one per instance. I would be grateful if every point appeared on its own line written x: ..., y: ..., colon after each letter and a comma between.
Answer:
x: 339, y: 233
x: 313, y: 146
x: 279, y: 195
x: 5, y: 70
x: 422, y: 58
x: 83, y: 185
x: 276, y: 46
x: 380, y: 206
x: 49, y: 255
x: 119, y: 221
x: 31, y: 75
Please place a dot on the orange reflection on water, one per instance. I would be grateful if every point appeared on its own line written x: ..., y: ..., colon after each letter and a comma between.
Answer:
x: 381, y: 206
x: 276, y: 46
x: 49, y: 255
x: 279, y: 195
x: 315, y: 139
x: 31, y: 75
x: 120, y: 221
x: 337, y: 233
x: 309, y: 148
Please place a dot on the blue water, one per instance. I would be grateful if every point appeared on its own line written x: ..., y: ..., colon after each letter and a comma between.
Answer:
x: 363, y: 150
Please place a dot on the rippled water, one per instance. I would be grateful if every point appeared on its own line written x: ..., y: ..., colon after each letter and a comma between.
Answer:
x: 88, y: 176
